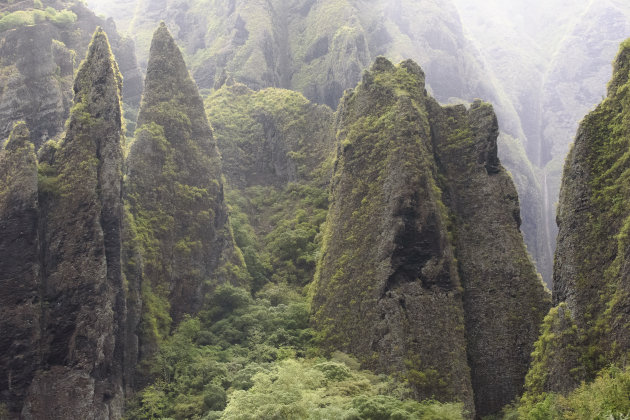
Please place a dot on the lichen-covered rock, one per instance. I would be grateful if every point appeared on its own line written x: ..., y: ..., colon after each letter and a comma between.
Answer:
x: 175, y: 199
x: 20, y: 268
x: 424, y: 272
x: 387, y: 288
x: 83, y: 304
x: 38, y: 62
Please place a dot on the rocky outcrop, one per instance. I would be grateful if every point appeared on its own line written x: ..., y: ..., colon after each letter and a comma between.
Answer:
x: 65, y: 303
x: 423, y: 271
x: 178, y: 219
x: 38, y: 64
x: 591, y: 279
x: 20, y: 268
x: 320, y: 48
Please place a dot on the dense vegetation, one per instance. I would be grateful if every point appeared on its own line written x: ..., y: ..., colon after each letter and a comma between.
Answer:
x: 257, y: 358
x: 62, y: 18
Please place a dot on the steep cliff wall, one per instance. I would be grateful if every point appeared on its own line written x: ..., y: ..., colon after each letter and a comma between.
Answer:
x: 504, y: 301
x: 70, y: 303
x: 20, y: 268
x: 591, y: 280
x: 423, y: 269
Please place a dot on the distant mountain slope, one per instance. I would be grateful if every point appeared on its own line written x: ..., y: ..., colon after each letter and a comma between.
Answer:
x: 552, y: 60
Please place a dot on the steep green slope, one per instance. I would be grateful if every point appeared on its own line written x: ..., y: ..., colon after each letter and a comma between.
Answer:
x: 277, y: 151
x: 423, y: 272
x: 179, y: 241
x: 41, y: 46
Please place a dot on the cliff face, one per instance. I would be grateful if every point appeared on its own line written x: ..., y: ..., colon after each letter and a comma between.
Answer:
x: 65, y: 319
x: 178, y: 227
x: 40, y: 53
x: 423, y: 270
x: 20, y: 268
x: 551, y: 64
x: 504, y: 301
x: 591, y: 268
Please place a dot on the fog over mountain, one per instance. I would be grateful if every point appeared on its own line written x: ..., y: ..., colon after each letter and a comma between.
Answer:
x: 314, y: 209
x: 543, y: 64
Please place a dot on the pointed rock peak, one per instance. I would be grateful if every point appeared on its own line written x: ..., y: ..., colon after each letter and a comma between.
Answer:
x: 98, y: 83
x: 19, y: 136
x: 168, y: 81
x: 163, y: 43
x: 166, y: 63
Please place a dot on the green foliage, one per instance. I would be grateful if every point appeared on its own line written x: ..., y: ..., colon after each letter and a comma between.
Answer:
x: 298, y: 389
x: 607, y: 397
x: 559, y: 351
x: 255, y: 358
x: 19, y: 18
x: 276, y: 221
x: 47, y: 179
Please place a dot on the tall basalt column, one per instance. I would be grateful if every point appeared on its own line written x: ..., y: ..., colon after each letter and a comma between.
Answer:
x: 504, y: 299
x: 83, y: 297
x: 387, y: 288
x: 20, y: 270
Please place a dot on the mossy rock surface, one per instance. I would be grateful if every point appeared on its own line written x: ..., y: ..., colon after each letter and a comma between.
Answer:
x: 423, y: 270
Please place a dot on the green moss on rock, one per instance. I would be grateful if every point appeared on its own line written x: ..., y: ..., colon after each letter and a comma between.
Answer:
x: 423, y: 269
x: 591, y: 266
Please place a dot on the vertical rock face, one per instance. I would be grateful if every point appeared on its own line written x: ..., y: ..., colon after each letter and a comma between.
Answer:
x: 423, y: 269
x: 20, y: 269
x: 504, y: 300
x: 387, y: 288
x: 591, y: 276
x: 80, y: 374
x: 175, y: 197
